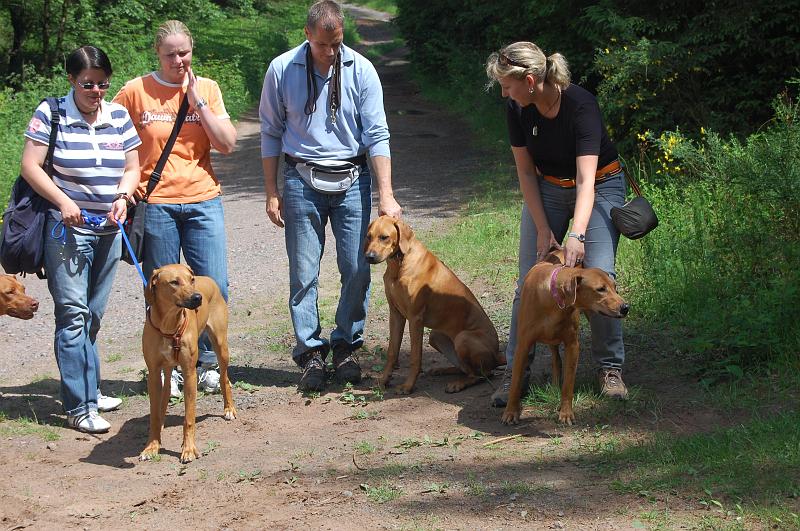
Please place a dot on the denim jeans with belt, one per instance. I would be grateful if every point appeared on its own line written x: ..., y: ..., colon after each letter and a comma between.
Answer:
x: 80, y: 273
x: 306, y: 212
x: 197, y: 229
x: 601, y: 242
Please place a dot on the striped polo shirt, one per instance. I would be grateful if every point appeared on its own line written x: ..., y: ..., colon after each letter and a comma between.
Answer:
x: 89, y: 159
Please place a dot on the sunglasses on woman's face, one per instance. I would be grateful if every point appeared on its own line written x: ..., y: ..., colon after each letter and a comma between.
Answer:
x: 504, y: 60
x: 89, y: 85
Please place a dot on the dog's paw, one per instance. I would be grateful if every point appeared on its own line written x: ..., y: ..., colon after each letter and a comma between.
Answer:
x: 404, y: 389
x: 150, y: 452
x: 566, y: 416
x: 230, y: 413
x: 510, y: 416
x: 454, y: 387
x: 189, y: 454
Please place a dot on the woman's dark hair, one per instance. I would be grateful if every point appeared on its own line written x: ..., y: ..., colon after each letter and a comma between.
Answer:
x: 88, y: 57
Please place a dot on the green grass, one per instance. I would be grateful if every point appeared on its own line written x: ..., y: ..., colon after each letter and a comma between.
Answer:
x: 386, y: 6
x: 753, y: 468
x: 385, y: 492
x: 23, y: 426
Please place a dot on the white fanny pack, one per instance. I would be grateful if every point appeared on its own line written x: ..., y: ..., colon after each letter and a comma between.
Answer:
x: 328, y: 176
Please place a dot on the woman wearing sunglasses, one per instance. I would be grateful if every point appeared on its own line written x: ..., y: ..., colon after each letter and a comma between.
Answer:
x: 95, y: 171
x: 568, y: 170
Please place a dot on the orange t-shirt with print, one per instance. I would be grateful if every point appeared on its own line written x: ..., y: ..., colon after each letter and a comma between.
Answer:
x: 153, y: 105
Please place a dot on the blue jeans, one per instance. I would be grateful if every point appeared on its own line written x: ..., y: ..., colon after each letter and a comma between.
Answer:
x: 80, y: 274
x: 602, y: 237
x: 306, y: 213
x: 197, y: 229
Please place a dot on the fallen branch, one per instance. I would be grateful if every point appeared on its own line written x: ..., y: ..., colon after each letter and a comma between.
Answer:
x: 356, y: 464
x: 501, y: 439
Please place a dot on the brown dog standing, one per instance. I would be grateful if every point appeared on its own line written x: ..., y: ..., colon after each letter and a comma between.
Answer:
x: 14, y: 301
x: 181, y: 307
x: 552, y: 297
x: 422, y: 290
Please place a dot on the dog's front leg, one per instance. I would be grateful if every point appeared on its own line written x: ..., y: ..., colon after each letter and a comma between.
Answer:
x: 154, y: 392
x: 415, y: 329
x: 571, y: 353
x: 188, y: 449
x: 397, y: 324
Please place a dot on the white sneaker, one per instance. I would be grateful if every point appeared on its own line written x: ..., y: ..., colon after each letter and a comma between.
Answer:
x: 107, y: 403
x: 208, y: 379
x: 175, y: 383
x: 89, y: 422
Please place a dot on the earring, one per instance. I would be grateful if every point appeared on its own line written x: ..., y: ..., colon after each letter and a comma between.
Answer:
x: 530, y: 90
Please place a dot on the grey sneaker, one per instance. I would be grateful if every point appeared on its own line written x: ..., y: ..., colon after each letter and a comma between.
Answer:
x: 500, y: 396
x: 611, y: 384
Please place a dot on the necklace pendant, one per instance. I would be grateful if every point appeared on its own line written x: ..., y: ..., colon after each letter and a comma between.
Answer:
x: 535, y: 130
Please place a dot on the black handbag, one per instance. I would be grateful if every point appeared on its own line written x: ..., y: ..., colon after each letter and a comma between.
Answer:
x: 635, y: 218
x: 137, y: 213
x: 22, y: 246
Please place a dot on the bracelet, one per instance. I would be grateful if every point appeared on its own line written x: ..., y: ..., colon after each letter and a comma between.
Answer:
x: 121, y: 195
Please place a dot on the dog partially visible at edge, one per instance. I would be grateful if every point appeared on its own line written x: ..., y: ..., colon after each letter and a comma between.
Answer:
x: 552, y: 297
x: 13, y: 300
x: 422, y: 290
x: 182, y: 306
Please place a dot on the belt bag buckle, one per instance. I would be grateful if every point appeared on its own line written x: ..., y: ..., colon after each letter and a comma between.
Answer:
x: 328, y: 176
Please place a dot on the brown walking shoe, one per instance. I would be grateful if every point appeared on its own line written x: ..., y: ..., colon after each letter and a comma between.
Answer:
x: 611, y: 384
x: 500, y: 396
x: 345, y: 363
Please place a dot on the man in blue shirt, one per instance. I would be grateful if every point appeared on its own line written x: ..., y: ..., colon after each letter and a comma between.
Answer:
x: 322, y: 103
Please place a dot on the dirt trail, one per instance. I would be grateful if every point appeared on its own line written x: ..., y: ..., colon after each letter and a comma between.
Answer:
x: 289, y: 462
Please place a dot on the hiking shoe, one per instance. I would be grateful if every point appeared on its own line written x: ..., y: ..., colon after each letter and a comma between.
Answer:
x: 107, y: 403
x: 500, y: 396
x: 611, y: 384
x: 89, y: 422
x: 346, y: 364
x: 208, y: 379
x: 313, y: 378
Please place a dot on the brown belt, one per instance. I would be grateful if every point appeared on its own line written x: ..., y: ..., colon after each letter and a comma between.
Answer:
x: 607, y: 171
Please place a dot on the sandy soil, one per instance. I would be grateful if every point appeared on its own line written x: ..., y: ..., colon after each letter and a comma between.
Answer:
x: 348, y: 458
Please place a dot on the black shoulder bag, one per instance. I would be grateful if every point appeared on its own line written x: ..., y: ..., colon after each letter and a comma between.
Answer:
x: 635, y: 218
x: 22, y: 246
x: 135, y: 219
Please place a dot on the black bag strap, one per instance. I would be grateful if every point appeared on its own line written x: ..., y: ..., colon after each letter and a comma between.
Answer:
x: 633, y: 184
x: 156, y: 175
x: 55, y: 119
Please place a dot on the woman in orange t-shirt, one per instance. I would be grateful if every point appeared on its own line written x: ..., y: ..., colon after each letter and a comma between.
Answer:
x: 185, y: 209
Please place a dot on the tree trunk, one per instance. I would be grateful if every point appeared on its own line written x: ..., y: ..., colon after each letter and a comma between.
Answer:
x: 15, y: 59
x: 62, y: 23
x: 45, y: 37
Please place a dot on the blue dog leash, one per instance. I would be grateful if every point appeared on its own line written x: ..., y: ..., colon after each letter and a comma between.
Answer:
x: 130, y: 250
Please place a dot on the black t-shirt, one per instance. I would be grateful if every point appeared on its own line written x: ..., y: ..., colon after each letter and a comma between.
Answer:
x: 577, y: 130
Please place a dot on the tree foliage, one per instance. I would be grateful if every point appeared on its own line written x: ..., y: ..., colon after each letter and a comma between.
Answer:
x: 654, y: 66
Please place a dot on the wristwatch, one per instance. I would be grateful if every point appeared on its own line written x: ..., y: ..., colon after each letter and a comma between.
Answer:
x: 200, y: 103
x: 580, y: 237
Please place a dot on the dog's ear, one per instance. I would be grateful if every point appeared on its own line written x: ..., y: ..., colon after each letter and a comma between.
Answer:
x: 569, y: 288
x: 150, y: 289
x: 404, y: 235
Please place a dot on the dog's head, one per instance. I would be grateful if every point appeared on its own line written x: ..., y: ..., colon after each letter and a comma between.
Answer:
x: 591, y: 289
x: 386, y: 236
x: 173, y: 285
x: 14, y: 301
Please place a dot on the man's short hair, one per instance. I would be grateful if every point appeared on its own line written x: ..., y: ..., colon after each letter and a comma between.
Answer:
x: 325, y: 14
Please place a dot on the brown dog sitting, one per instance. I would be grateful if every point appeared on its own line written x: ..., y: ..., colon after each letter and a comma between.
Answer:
x: 422, y: 290
x: 13, y: 300
x: 552, y: 296
x: 181, y: 307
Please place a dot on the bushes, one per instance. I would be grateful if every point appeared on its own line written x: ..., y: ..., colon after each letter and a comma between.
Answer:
x: 233, y: 50
x: 723, y: 262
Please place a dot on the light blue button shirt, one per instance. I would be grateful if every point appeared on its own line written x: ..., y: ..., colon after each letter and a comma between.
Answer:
x: 360, y: 125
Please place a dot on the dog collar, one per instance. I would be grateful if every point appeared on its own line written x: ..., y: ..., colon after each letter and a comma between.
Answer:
x: 176, y: 337
x: 561, y: 303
